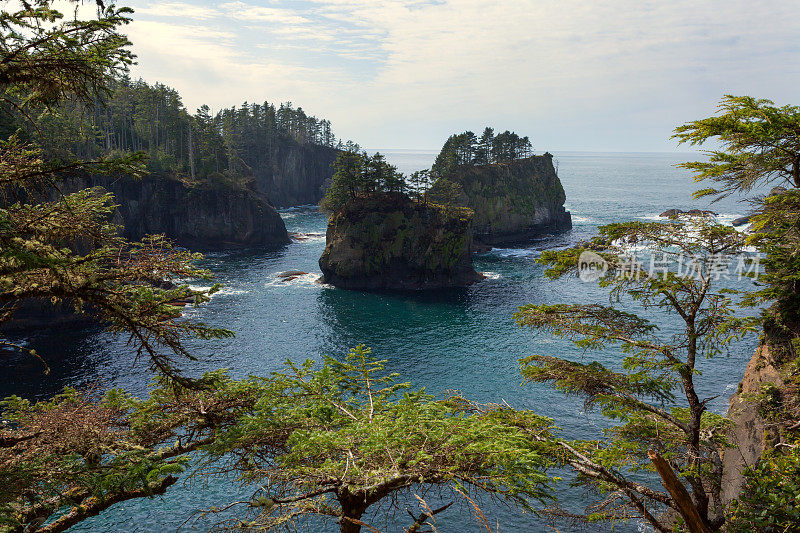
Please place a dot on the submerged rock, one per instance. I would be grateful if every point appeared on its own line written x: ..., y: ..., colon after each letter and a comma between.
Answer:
x: 291, y: 274
x: 741, y: 221
x: 388, y: 241
x: 513, y: 202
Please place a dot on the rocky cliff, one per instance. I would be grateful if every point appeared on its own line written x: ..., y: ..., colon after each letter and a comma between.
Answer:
x: 199, y: 217
x: 292, y: 174
x: 389, y: 241
x: 513, y: 202
x: 764, y: 412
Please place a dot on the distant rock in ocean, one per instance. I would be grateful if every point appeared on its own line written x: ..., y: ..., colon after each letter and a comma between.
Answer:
x: 672, y: 213
x: 388, y: 241
x: 513, y: 201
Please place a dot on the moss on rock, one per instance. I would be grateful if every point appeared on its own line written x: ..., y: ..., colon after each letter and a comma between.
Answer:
x: 388, y: 241
x: 512, y: 201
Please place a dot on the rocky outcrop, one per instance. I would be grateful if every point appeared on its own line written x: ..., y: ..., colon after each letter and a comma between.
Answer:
x: 388, y: 241
x: 292, y: 174
x: 513, y: 202
x: 199, y: 217
x: 750, y: 433
x: 672, y: 213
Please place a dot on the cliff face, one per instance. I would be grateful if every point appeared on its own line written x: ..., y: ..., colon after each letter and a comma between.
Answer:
x: 202, y: 218
x: 390, y: 242
x: 513, y: 202
x: 292, y: 174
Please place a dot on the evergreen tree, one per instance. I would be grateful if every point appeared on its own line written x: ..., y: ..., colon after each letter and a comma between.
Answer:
x: 333, y: 442
x: 659, y: 418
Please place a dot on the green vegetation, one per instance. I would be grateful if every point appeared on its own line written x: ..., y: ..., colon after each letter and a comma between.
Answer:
x: 760, y: 145
x: 65, y: 249
x: 133, y: 116
x: 467, y: 149
x: 768, y: 502
x: 332, y: 443
x: 360, y: 175
x: 335, y: 441
x: 652, y: 398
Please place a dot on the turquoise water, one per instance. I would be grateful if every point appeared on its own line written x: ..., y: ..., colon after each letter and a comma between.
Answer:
x: 459, y: 339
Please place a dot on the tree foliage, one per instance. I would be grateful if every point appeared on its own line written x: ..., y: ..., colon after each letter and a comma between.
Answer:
x: 74, y: 456
x: 333, y: 442
x: 467, y: 149
x: 357, y: 174
x: 759, y: 144
x: 134, y: 116
x: 652, y: 395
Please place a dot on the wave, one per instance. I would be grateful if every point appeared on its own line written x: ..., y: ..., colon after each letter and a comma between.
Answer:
x: 581, y: 220
x: 491, y: 275
x: 513, y: 252
x: 298, y: 237
x: 224, y: 291
x: 309, y: 279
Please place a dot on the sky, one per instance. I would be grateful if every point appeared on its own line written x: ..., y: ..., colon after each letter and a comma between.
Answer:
x: 598, y: 75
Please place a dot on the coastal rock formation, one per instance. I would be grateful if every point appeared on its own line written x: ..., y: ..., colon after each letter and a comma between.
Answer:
x: 750, y: 434
x: 198, y: 217
x: 513, y: 202
x: 292, y: 174
x: 672, y: 213
x: 388, y: 241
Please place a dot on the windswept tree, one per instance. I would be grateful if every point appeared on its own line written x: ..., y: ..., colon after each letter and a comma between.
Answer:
x: 652, y: 395
x: 65, y: 249
x: 759, y: 145
x: 339, y: 442
x: 70, y: 458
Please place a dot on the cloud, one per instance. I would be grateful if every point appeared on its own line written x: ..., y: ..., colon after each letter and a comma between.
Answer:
x: 248, y: 12
x: 179, y: 9
x: 391, y: 72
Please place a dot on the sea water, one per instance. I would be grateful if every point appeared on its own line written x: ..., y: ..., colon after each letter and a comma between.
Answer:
x: 460, y: 339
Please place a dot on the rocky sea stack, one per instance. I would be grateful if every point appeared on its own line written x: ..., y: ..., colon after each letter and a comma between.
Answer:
x: 513, y: 201
x: 203, y: 216
x: 388, y: 241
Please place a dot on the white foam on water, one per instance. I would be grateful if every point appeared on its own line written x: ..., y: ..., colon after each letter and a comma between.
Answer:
x: 308, y: 237
x: 513, y: 252
x: 491, y: 275
x: 651, y: 216
x: 223, y: 291
x: 581, y: 220
x: 306, y: 280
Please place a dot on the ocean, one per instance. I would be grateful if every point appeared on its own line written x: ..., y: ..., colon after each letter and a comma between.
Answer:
x: 462, y: 339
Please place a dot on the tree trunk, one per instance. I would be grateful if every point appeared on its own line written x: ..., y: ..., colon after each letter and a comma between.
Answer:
x: 191, y: 153
x: 679, y: 494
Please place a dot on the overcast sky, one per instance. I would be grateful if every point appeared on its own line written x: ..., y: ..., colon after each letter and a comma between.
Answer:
x: 573, y: 75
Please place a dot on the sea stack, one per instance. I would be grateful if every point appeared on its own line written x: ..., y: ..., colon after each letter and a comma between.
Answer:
x: 514, y: 201
x: 389, y: 241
